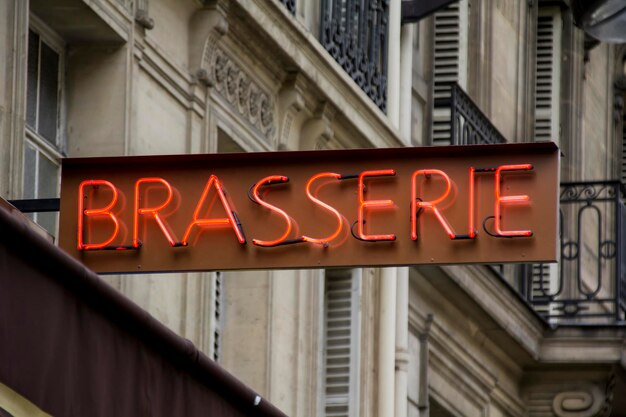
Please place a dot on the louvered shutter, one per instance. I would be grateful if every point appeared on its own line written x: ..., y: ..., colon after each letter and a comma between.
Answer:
x: 217, y: 305
x: 544, y: 277
x: 543, y: 285
x: 341, y: 343
x: 547, y: 75
x: 624, y: 149
x: 449, y: 65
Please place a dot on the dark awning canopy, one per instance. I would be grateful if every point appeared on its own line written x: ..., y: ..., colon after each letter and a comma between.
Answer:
x: 74, y: 347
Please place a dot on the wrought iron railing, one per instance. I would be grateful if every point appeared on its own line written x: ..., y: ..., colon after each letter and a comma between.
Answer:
x: 290, y: 5
x: 470, y: 126
x: 355, y: 32
x: 588, y: 286
x: 460, y: 119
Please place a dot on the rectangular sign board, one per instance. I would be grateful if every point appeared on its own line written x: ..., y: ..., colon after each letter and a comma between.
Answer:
x: 312, y: 209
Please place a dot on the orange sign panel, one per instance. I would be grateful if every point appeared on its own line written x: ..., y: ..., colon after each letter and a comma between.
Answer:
x: 312, y: 209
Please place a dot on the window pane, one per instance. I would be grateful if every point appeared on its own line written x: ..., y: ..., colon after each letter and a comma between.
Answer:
x: 48, y: 95
x: 31, y: 87
x: 48, y: 178
x: 29, y: 171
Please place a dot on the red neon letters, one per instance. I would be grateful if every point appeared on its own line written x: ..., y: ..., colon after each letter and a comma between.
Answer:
x: 152, y: 211
x: 158, y: 211
x: 511, y: 199
x: 273, y: 179
x: 230, y: 220
x: 104, y: 211
x: 432, y: 205
x: 372, y: 204
x: 313, y: 198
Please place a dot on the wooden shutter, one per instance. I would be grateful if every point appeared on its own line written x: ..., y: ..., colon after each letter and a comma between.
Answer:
x: 544, y: 277
x: 449, y: 64
x: 545, y: 283
x: 341, y: 343
x: 547, y: 74
x: 624, y: 149
x: 217, y: 305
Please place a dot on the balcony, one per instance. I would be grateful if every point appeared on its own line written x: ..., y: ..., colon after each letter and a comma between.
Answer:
x: 355, y: 34
x: 459, y: 121
x: 290, y: 5
x: 588, y: 285
x: 469, y: 126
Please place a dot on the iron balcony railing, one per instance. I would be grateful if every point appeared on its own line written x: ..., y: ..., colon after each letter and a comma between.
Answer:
x: 355, y: 33
x: 290, y: 5
x: 588, y: 285
x: 466, y: 123
x: 469, y: 124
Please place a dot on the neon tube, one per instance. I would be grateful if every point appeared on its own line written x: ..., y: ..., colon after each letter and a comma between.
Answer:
x: 313, y: 198
x: 273, y: 179
x: 105, y: 211
x: 153, y: 211
x: 230, y: 220
x: 432, y: 205
x: 512, y: 199
x: 372, y: 204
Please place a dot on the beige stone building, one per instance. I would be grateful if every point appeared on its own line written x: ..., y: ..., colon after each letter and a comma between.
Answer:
x: 145, y: 77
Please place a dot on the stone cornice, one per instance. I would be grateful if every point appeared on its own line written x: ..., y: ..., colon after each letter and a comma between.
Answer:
x: 584, y: 345
x: 502, y: 305
x: 565, y: 345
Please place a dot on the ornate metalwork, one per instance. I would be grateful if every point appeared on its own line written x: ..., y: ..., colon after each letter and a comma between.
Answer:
x: 354, y: 32
x: 290, y: 5
x: 590, y: 286
x: 470, y: 126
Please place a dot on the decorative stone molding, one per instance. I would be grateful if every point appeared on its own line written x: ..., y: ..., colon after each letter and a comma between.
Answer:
x: 317, y: 131
x: 142, y: 15
x: 206, y: 28
x: 290, y: 103
x: 242, y: 93
x: 583, y: 401
x: 609, y: 391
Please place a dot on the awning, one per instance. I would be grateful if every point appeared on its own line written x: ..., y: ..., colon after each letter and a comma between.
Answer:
x: 73, y: 346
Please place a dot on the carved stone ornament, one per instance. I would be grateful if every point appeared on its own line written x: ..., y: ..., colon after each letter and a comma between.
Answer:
x: 584, y: 401
x: 243, y: 95
x: 207, y: 26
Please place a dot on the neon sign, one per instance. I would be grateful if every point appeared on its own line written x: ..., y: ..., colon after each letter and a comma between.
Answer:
x: 401, y: 208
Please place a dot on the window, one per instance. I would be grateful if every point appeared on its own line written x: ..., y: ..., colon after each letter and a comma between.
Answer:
x: 449, y: 65
x: 341, y: 342
x: 44, y: 140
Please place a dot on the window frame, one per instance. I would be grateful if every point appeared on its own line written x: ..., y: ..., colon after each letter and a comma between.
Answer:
x: 44, y: 148
x: 58, y: 45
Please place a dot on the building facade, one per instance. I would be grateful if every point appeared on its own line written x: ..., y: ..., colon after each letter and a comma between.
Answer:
x: 145, y: 77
